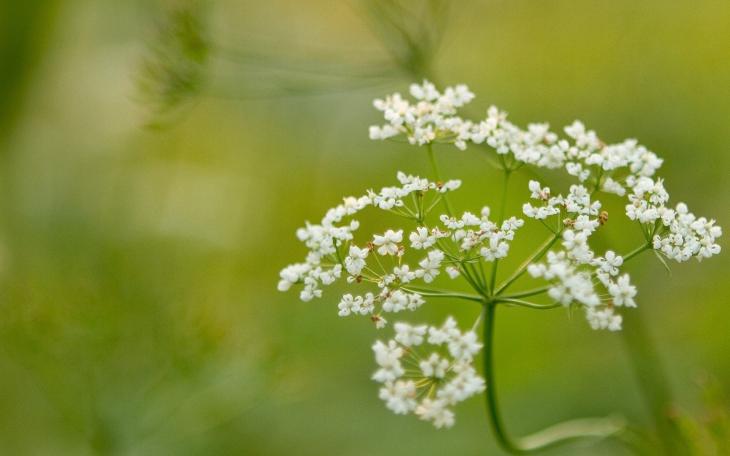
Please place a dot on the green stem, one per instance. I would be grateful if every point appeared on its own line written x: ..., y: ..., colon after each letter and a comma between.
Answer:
x: 531, y: 305
x: 637, y: 251
x: 552, y: 436
x: 478, y: 278
x: 503, y: 204
x: 443, y: 294
x: 437, y: 175
x: 491, y: 392
x: 527, y: 293
x: 483, y: 276
x: 523, y: 267
x: 474, y: 284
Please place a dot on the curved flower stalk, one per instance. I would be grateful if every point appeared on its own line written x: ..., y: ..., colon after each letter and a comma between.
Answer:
x: 393, y: 271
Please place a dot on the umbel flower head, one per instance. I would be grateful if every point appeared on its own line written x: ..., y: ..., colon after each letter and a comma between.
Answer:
x: 427, y: 382
x: 426, y: 370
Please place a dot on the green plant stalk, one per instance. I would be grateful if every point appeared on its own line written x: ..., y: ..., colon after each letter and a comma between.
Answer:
x: 437, y: 175
x: 505, y: 186
x: 444, y: 294
x: 555, y: 435
x: 491, y: 392
x: 542, y: 250
x: 530, y: 305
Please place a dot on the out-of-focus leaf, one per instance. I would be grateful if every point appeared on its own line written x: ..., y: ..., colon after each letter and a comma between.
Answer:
x: 410, y: 31
x: 173, y: 72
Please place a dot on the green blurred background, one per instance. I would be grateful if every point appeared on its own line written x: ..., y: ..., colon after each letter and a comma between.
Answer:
x: 138, y: 266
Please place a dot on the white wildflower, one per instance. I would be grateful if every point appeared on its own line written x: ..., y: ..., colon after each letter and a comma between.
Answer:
x: 387, y: 243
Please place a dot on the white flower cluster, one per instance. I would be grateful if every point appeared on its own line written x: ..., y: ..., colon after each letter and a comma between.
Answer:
x: 428, y: 382
x: 430, y: 118
x: 677, y: 233
x: 390, y: 271
x: 571, y: 270
x: 688, y: 236
x: 381, y: 261
x: 333, y: 253
x: 472, y: 234
x: 624, y: 168
x: 577, y: 203
x: 458, y: 241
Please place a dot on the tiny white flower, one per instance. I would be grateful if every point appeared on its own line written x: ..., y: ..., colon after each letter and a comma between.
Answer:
x: 355, y: 261
x: 465, y: 346
x: 399, y: 396
x: 408, y: 335
x: 421, y: 238
x: 623, y: 292
x: 431, y: 266
x: 436, y: 412
x: 452, y: 272
x: 388, y: 359
x: 387, y: 243
x: 434, y: 366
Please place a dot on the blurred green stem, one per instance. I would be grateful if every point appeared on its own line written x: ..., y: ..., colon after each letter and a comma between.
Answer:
x: 650, y: 375
x: 653, y: 382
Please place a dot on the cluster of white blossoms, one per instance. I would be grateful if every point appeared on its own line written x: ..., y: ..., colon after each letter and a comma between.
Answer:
x: 676, y: 233
x: 428, y: 381
x: 391, y: 271
x: 430, y: 118
x: 625, y: 169
x: 379, y: 261
x: 472, y: 235
x: 571, y: 270
x: 378, y: 267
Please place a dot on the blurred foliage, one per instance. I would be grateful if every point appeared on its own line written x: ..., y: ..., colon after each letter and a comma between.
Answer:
x: 24, y: 29
x: 410, y: 31
x: 709, y: 431
x: 138, y: 310
x: 177, y: 64
x: 174, y: 70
